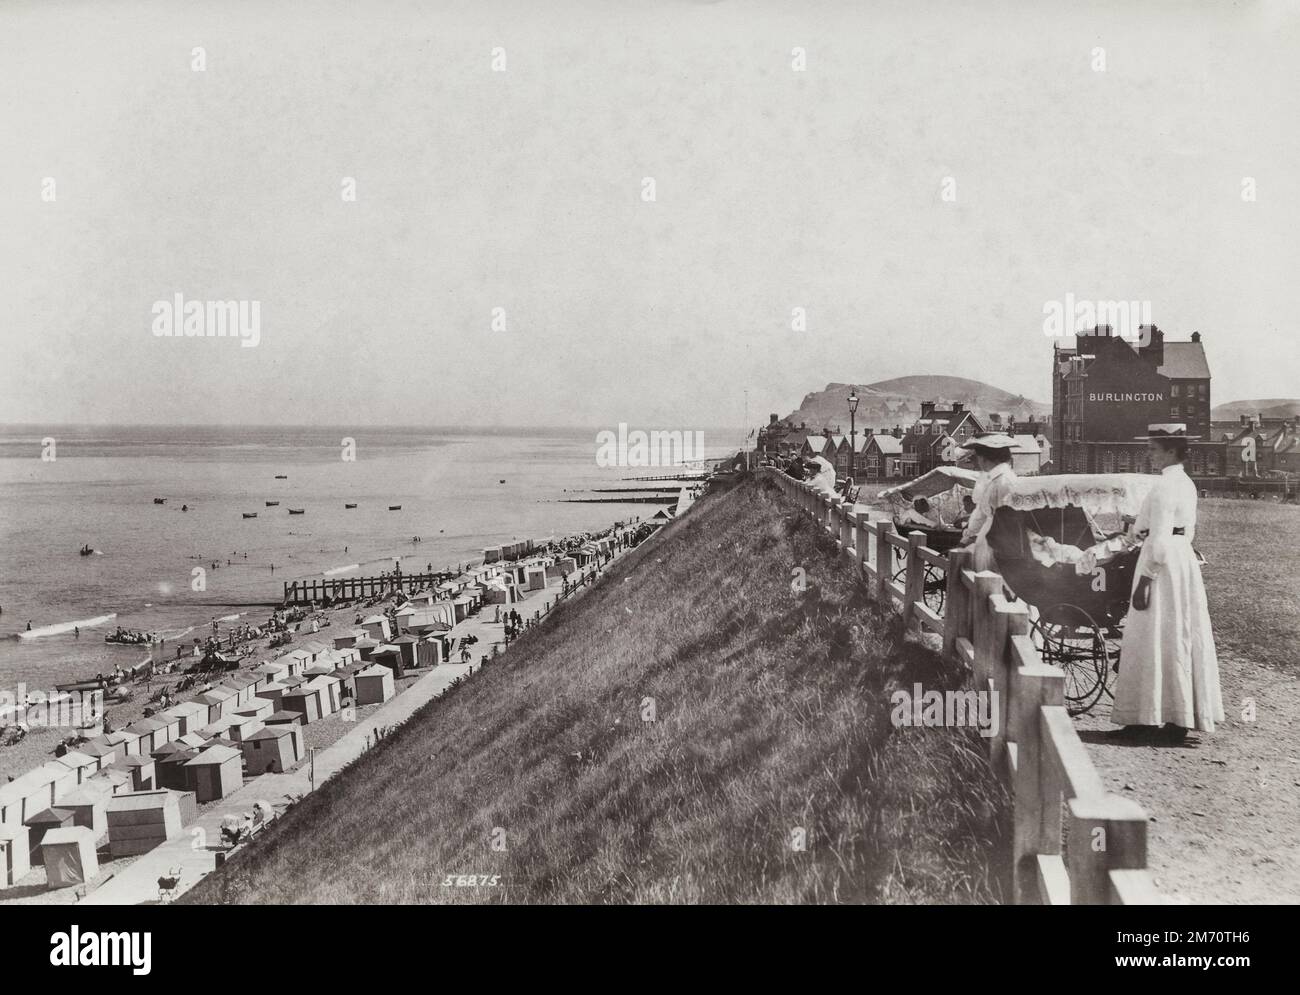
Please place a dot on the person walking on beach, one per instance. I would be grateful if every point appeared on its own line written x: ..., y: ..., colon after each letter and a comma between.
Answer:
x: 1169, y: 681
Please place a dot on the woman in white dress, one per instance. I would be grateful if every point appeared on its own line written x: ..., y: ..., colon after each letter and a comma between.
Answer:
x: 992, y: 453
x: 1169, y: 671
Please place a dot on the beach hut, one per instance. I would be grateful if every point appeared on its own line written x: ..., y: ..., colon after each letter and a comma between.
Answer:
x: 462, y: 605
x: 143, y: 771
x: 272, y: 671
x: 172, y: 772
x: 193, y: 741
x: 375, y: 685
x: 119, y: 781
x: 345, y: 639
x: 258, y: 708
x: 289, y: 683
x: 80, y: 764
x: 190, y: 716
x: 217, y: 772
x: 88, y: 805
x: 403, y: 616
x: 55, y: 817
x: 61, y: 779
x: 272, y: 750
x: 271, y: 692
x: 406, y: 644
x: 346, y: 676
x: 313, y: 648
x: 366, y: 647
x: 536, y: 578
x: 240, y: 726
x: 284, y: 717
x: 244, y: 685
x: 69, y: 855
x: 566, y: 565
x: 126, y: 741
x: 390, y: 657
x: 15, y: 853
x: 319, y: 668
x: 377, y: 627
x: 331, y: 694
x: 215, y: 702
x: 304, y: 701
x: 297, y: 662
x: 346, y: 657
x: 99, y: 748
x: 154, y: 732
x: 429, y: 652
x: 139, y: 821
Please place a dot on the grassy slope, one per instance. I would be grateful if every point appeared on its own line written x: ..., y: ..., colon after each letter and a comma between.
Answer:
x: 771, y: 714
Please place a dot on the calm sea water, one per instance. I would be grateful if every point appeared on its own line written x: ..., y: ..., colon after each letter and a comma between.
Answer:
x: 99, y: 490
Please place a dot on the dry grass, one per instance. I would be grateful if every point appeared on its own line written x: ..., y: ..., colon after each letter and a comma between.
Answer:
x: 1252, y: 577
x: 771, y: 715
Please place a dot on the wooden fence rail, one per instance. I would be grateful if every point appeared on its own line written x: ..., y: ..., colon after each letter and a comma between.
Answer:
x: 1073, y: 842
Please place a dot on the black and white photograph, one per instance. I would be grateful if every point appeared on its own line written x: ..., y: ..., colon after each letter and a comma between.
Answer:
x: 672, y: 452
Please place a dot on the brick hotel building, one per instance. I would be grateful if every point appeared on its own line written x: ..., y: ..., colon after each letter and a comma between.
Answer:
x: 1106, y: 391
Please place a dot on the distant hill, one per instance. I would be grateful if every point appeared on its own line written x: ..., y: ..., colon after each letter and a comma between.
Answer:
x: 898, y: 402
x: 1273, y: 407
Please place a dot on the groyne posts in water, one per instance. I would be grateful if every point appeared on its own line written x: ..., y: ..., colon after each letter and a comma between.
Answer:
x: 304, y: 592
x: 1035, y: 748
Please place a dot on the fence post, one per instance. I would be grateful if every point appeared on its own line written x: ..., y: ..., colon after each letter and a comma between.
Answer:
x: 861, y: 536
x: 1037, y: 785
x: 1106, y: 834
x: 914, y: 589
x: 846, y: 528
x: 884, y: 557
x: 956, y: 602
x: 987, y: 583
x: 1010, y: 618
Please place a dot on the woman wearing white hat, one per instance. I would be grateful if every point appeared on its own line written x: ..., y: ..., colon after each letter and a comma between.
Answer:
x: 992, y: 454
x: 1169, y: 675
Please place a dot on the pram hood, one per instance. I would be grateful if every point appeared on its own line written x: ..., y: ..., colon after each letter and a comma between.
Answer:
x: 1095, y: 493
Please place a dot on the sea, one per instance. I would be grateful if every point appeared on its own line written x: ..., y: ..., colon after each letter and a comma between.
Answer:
x: 460, y: 490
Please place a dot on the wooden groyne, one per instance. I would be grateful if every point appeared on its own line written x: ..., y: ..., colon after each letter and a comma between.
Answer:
x: 304, y: 592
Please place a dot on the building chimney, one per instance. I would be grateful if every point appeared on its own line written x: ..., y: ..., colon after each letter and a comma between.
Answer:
x: 1103, y: 331
x: 771, y: 419
x: 958, y: 407
x: 1153, y: 351
x: 1196, y: 336
x: 927, y: 409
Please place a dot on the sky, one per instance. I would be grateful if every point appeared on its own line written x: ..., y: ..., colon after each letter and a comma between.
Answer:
x: 775, y: 188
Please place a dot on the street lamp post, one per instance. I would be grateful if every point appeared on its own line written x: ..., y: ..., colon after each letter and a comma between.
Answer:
x: 853, y: 433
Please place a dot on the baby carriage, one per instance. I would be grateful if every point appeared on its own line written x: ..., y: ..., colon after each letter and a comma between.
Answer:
x: 943, y: 488
x: 1060, y: 546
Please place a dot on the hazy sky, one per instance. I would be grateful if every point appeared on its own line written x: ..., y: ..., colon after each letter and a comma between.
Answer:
x: 522, y: 190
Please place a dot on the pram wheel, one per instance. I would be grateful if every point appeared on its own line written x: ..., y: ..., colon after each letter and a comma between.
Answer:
x: 1069, y: 638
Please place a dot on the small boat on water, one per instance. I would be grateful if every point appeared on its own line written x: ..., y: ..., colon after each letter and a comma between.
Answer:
x: 281, y: 476
x: 250, y: 514
x: 272, y: 504
x: 185, y: 507
x: 297, y: 511
x: 394, y: 507
x: 159, y: 500
x: 349, y: 506
x: 502, y: 480
x: 85, y: 550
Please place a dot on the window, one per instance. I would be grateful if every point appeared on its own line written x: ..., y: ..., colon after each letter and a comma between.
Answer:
x: 1204, y: 390
x: 1173, y: 412
x: 1176, y: 390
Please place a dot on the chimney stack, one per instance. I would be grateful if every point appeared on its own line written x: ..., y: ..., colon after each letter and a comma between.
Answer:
x: 927, y: 409
x: 1196, y: 336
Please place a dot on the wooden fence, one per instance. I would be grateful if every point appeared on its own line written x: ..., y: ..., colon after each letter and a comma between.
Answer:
x: 1074, y: 842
